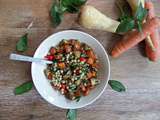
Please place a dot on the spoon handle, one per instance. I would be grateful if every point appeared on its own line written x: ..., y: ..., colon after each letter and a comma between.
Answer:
x: 28, y: 59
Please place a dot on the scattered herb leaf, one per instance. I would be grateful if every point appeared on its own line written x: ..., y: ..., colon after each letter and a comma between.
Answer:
x: 22, y: 44
x: 73, y: 5
x: 56, y: 14
x: 25, y: 87
x: 117, y: 86
x: 71, y: 114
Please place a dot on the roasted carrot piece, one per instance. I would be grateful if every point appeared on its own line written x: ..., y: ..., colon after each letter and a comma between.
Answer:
x: 77, y: 93
x: 93, y: 73
x: 61, y: 65
x: 52, y: 50
x: 135, y: 37
x: 50, y: 76
x: 152, y: 55
x: 89, y: 75
x: 90, y: 54
x: 90, y: 61
x: 82, y: 88
x: 86, y: 92
x: 96, y: 65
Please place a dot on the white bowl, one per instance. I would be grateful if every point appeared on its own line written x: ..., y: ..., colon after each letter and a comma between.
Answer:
x: 53, y: 96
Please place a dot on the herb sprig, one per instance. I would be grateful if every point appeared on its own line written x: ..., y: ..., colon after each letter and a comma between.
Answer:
x: 60, y: 7
x: 129, y: 22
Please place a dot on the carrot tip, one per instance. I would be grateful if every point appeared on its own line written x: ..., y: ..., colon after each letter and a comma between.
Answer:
x: 114, y: 54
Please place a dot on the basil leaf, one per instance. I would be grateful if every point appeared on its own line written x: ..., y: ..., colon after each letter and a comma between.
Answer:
x: 73, y: 6
x: 71, y: 114
x: 76, y: 3
x: 141, y: 13
x: 72, y: 9
x: 78, y: 98
x: 126, y: 25
x: 22, y: 44
x: 117, y: 86
x: 25, y: 87
x: 56, y: 14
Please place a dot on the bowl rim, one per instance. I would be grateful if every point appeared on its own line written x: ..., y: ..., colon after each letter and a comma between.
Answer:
x: 107, y: 79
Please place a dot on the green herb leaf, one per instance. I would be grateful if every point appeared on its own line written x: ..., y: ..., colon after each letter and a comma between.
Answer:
x: 71, y: 114
x: 78, y: 98
x: 22, y: 44
x: 78, y: 2
x: 126, y: 25
x: 72, y: 9
x: 124, y: 8
x: 117, y: 86
x: 73, y: 5
x: 25, y: 87
x: 58, y: 8
x: 141, y: 13
x: 56, y: 14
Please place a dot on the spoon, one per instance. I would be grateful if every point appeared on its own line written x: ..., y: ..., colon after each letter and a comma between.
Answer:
x: 28, y: 59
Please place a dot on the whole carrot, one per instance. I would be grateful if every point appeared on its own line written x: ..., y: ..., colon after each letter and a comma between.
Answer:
x: 135, y: 37
x: 152, y: 55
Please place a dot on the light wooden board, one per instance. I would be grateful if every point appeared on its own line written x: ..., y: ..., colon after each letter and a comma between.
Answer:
x: 142, y: 77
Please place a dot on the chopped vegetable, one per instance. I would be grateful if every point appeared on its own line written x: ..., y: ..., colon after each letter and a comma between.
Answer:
x: 52, y: 51
x: 61, y: 65
x: 72, y: 70
x: 90, y: 61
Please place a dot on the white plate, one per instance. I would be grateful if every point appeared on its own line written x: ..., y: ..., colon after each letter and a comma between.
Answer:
x: 53, y: 96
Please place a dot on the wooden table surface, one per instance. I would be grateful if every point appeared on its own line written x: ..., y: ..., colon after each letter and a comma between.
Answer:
x: 141, y: 77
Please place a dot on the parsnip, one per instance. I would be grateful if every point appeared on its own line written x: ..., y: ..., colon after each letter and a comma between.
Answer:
x: 134, y: 5
x: 91, y: 18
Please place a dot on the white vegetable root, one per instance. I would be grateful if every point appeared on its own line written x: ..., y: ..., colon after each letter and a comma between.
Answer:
x: 134, y: 4
x: 91, y: 18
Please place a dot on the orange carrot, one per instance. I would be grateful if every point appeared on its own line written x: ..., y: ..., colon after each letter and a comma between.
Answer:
x: 89, y: 75
x: 135, y: 37
x: 152, y: 55
x: 90, y: 61
x: 61, y: 65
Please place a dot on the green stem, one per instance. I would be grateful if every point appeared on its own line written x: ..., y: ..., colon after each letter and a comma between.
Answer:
x: 119, y: 6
